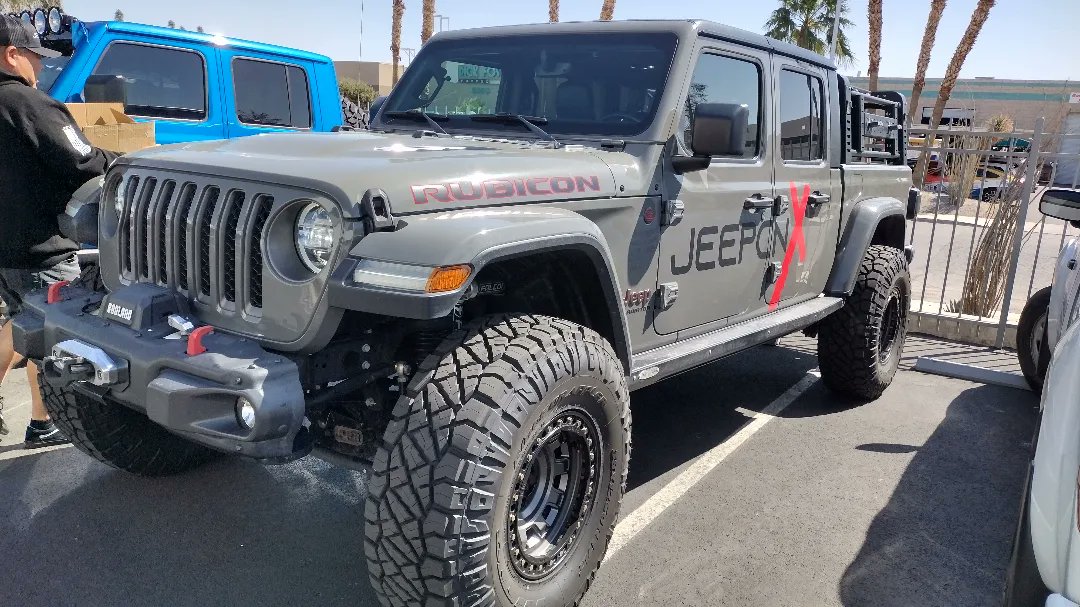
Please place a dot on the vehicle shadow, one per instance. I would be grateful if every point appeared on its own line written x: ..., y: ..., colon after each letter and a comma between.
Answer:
x: 945, y: 536
x: 677, y: 420
x: 76, y: 532
x: 232, y: 533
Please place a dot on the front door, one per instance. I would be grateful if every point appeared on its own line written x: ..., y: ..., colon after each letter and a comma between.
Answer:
x: 719, y: 252
x: 806, y: 227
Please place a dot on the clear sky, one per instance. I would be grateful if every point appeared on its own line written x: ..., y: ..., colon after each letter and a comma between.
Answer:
x: 1023, y: 39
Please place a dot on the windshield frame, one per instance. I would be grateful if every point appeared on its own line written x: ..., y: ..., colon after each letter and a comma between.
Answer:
x: 668, y: 42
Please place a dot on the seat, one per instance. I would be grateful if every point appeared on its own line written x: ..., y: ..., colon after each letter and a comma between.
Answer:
x: 574, y: 101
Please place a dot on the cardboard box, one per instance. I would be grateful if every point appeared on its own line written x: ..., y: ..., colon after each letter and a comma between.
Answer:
x: 108, y: 127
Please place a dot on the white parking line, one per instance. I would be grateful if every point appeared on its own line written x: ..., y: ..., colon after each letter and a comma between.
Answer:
x: 645, y: 514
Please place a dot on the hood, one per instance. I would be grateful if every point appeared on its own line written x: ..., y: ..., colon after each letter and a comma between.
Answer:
x: 418, y: 175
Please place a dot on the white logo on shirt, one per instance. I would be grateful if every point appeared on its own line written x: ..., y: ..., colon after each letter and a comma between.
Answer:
x: 77, y: 141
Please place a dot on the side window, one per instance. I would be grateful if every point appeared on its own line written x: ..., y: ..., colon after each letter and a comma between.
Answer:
x: 802, y: 117
x: 150, y: 81
x: 720, y: 79
x: 271, y: 94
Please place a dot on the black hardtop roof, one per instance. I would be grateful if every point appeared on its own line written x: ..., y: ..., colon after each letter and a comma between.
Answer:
x: 682, y: 28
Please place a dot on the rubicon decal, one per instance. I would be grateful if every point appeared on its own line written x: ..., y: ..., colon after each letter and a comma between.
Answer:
x: 494, y: 189
x: 797, y: 243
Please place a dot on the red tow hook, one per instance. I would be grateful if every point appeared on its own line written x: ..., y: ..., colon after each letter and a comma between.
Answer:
x: 194, y: 340
x: 53, y: 294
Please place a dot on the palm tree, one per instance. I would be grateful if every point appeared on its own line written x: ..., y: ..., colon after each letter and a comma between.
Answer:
x: 395, y: 36
x: 553, y: 11
x: 937, y: 7
x: 978, y: 18
x: 875, y: 43
x: 607, y: 11
x: 172, y: 24
x: 808, y: 23
x: 429, y: 21
x: 118, y: 15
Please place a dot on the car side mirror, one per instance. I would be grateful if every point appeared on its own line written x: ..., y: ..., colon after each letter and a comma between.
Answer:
x: 718, y: 129
x: 376, y: 105
x: 1061, y: 203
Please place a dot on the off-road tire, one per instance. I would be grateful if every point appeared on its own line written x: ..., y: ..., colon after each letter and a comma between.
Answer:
x: 446, y: 472
x: 353, y: 115
x: 1032, y: 345
x: 120, y: 437
x: 859, y: 347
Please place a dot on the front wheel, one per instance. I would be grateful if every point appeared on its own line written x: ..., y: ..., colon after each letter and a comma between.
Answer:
x: 1032, y: 345
x: 859, y: 346
x: 118, y: 436
x: 499, y: 478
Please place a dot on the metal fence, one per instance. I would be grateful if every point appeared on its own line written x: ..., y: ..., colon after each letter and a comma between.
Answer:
x: 982, y: 247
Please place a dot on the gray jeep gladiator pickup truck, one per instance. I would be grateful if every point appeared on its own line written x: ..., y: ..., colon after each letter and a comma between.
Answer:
x: 541, y: 220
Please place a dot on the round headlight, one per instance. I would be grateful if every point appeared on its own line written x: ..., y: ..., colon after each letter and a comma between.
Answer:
x: 56, y: 20
x: 314, y: 236
x: 27, y: 18
x: 41, y: 21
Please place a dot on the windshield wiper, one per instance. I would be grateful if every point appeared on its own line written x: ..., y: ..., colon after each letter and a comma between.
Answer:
x: 418, y: 116
x: 529, y: 122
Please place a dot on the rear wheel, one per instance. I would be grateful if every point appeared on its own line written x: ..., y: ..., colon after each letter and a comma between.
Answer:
x: 859, y: 346
x: 120, y: 437
x: 1032, y: 345
x: 499, y: 478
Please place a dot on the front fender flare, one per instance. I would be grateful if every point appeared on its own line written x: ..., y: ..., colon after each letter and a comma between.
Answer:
x: 858, y: 236
x: 477, y: 237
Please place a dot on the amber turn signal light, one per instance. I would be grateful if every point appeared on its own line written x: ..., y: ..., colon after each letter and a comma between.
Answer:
x: 449, y: 278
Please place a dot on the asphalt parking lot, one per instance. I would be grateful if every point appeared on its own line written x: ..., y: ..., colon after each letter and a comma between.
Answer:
x: 910, y: 500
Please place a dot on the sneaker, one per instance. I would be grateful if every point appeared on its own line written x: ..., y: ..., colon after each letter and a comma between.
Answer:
x: 44, y: 435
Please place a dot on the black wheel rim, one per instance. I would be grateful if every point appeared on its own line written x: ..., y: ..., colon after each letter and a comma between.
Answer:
x: 554, y: 489
x: 891, y: 321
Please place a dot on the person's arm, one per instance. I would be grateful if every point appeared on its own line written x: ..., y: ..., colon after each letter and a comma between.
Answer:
x: 61, y: 144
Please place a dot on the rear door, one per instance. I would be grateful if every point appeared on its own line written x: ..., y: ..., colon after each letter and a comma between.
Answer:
x: 718, y: 253
x: 807, y: 227
x: 266, y: 94
x: 169, y: 85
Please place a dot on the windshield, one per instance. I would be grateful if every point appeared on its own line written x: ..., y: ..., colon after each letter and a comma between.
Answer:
x: 50, y: 71
x: 579, y: 84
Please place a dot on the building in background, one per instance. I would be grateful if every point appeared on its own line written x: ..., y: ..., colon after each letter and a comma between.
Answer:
x: 379, y: 75
x: 980, y: 98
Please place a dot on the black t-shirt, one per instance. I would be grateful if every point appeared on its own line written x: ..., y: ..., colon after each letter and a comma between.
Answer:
x: 44, y: 158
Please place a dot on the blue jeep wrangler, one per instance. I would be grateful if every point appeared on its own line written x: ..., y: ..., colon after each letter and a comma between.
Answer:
x: 194, y: 86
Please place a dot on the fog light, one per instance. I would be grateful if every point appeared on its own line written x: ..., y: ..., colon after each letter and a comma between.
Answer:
x: 245, y: 413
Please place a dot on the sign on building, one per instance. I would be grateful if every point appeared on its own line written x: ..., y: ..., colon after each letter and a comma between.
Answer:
x: 1074, y: 97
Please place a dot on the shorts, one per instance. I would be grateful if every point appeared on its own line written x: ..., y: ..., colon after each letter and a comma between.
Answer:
x: 15, y: 283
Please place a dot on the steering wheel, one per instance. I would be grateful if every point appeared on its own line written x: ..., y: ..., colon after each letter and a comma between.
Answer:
x: 618, y: 117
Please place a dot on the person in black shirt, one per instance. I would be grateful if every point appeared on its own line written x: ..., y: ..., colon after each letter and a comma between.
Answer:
x: 44, y: 158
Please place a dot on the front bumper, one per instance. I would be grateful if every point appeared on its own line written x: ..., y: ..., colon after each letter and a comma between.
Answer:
x: 143, y: 364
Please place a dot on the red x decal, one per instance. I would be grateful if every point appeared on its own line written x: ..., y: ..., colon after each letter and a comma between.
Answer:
x: 798, y: 241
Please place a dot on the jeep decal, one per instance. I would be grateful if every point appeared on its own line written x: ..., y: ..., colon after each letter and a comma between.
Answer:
x: 797, y: 241
x: 493, y: 189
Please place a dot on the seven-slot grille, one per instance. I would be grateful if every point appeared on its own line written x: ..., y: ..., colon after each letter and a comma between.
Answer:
x: 202, y: 239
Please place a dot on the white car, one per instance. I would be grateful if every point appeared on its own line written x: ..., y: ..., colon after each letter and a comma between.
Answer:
x: 1045, y: 566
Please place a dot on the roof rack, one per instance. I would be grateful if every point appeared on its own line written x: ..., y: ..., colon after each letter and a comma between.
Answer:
x: 875, y: 125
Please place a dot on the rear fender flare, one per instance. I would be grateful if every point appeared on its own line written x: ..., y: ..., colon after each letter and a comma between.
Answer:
x: 863, y: 224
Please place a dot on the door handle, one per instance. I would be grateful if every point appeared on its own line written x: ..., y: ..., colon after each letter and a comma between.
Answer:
x: 818, y: 198
x: 757, y: 201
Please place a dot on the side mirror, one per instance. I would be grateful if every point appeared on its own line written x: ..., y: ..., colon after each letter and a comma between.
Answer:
x: 719, y: 129
x: 1061, y: 203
